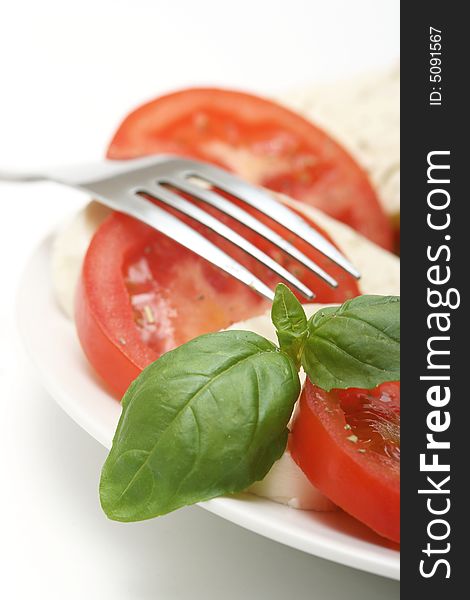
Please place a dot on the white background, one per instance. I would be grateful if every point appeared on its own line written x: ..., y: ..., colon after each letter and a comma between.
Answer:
x: 68, y: 73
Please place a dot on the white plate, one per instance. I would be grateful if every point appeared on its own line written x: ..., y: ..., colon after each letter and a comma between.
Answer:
x: 53, y: 346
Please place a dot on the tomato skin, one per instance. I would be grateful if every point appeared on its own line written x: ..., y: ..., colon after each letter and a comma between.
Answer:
x: 114, y: 367
x: 103, y: 314
x: 366, y: 485
x: 264, y: 143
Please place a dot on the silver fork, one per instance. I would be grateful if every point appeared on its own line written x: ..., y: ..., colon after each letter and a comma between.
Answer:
x: 126, y: 186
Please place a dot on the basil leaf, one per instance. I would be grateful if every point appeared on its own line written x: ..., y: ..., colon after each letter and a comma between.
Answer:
x: 354, y: 345
x: 206, y: 419
x: 288, y: 317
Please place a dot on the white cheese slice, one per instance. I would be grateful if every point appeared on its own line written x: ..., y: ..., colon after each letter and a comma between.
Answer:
x: 69, y: 249
x: 286, y: 484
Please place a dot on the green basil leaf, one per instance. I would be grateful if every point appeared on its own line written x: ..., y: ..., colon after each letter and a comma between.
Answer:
x: 354, y: 345
x: 288, y: 317
x: 206, y: 419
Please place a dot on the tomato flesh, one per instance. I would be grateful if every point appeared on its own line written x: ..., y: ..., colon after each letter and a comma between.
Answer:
x: 263, y: 142
x: 347, y: 442
x: 374, y: 416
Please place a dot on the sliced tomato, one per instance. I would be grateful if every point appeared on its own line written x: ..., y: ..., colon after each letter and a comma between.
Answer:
x: 141, y: 294
x: 263, y: 142
x: 347, y: 442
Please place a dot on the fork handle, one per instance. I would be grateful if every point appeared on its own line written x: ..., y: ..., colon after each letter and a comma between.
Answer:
x: 17, y: 177
x: 81, y: 175
x: 73, y: 176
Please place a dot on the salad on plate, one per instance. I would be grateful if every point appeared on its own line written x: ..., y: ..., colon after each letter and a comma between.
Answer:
x: 221, y: 392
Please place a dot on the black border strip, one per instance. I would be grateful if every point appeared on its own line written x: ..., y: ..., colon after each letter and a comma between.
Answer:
x: 427, y: 128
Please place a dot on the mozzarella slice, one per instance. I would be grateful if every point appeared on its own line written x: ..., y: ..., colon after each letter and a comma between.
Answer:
x: 286, y: 484
x: 68, y: 252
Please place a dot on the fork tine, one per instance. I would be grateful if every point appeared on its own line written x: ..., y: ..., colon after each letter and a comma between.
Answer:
x: 172, y: 199
x: 146, y: 211
x: 244, y: 217
x: 264, y: 202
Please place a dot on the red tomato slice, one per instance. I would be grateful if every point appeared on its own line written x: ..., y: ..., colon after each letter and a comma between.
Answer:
x: 347, y: 442
x: 141, y: 294
x: 263, y: 142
